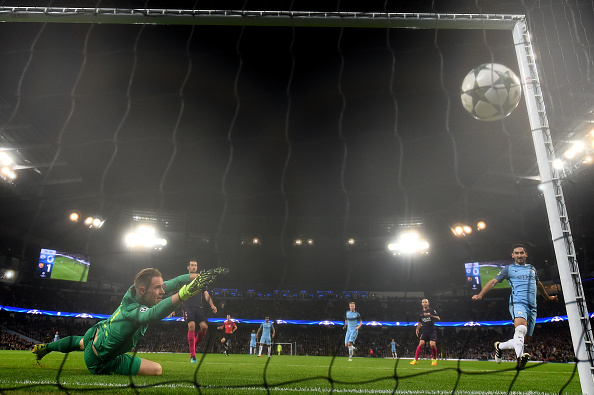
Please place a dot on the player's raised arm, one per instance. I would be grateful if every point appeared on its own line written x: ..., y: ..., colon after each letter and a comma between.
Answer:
x: 489, y: 286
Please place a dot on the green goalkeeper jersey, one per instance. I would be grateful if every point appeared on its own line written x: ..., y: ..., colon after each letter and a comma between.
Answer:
x: 121, y: 331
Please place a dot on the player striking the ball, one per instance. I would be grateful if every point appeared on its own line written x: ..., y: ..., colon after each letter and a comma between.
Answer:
x: 105, y: 344
x: 352, y: 323
x: 522, y: 303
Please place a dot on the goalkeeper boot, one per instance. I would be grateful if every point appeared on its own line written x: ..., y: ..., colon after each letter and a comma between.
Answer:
x: 413, y: 362
x: 40, y: 351
x: 433, y: 362
x: 523, y: 360
x: 498, y: 353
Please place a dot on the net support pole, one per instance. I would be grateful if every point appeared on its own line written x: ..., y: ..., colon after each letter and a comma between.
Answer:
x: 577, y: 311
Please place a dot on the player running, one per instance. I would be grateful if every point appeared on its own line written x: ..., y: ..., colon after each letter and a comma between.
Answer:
x: 426, y: 328
x: 268, y: 332
x: 229, y: 328
x: 522, y: 303
x: 105, y: 344
x: 352, y: 323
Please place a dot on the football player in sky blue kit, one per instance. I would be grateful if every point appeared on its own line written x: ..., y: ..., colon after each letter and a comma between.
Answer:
x: 522, y: 302
x: 253, y: 342
x: 393, y: 349
x: 268, y: 333
x: 352, y: 323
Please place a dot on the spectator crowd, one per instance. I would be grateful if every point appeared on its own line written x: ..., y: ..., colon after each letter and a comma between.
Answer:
x: 551, y: 341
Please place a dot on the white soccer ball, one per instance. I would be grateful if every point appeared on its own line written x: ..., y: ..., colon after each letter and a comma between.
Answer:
x: 490, y: 92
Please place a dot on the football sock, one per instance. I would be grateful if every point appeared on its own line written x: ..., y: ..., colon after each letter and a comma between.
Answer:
x: 260, y: 353
x: 65, y: 345
x: 192, y: 343
x: 350, y: 351
x: 418, y: 352
x: 434, y: 352
x: 200, y: 336
x: 519, y: 339
x: 508, y: 345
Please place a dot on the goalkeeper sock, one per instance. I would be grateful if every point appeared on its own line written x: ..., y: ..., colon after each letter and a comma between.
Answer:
x: 434, y: 352
x: 519, y: 339
x: 418, y: 352
x: 65, y: 345
x: 192, y: 343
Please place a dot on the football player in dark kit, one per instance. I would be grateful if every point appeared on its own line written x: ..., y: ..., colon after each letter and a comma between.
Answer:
x: 194, y: 313
x: 426, y: 328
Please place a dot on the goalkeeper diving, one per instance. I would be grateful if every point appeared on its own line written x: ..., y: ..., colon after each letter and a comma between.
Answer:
x: 106, y: 344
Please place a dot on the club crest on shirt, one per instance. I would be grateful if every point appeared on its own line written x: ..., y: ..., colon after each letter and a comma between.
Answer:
x: 519, y: 313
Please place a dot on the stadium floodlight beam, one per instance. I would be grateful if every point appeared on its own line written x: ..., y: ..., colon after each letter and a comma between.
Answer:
x: 144, y: 237
x: 409, y: 243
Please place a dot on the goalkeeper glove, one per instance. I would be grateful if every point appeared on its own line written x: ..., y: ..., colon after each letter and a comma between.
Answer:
x: 200, y: 282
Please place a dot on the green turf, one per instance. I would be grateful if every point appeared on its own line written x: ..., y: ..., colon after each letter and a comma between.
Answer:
x: 245, y: 374
x: 69, y: 269
x: 488, y: 273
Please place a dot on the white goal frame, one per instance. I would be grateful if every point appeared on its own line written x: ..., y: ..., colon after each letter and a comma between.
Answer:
x: 579, y: 319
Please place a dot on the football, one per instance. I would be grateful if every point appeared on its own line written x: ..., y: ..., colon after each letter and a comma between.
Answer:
x: 490, y: 92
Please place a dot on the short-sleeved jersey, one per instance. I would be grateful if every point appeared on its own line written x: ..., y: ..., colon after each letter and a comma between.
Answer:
x: 228, y: 326
x: 121, y: 331
x: 393, y: 346
x: 267, y: 328
x: 352, y: 319
x: 523, y: 280
x: 253, y: 340
x: 196, y: 301
x: 427, y: 323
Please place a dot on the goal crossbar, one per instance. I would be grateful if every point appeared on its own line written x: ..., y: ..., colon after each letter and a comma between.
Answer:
x: 258, y: 18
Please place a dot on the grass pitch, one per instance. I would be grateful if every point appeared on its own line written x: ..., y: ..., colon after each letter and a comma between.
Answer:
x: 245, y: 374
x: 66, y: 268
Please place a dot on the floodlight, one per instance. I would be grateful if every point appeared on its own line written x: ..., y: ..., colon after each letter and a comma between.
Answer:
x: 351, y: 241
x: 74, y: 216
x: 481, y: 225
x: 8, y: 173
x: 144, y: 237
x: 409, y: 243
x: 5, y: 159
x: 558, y: 164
